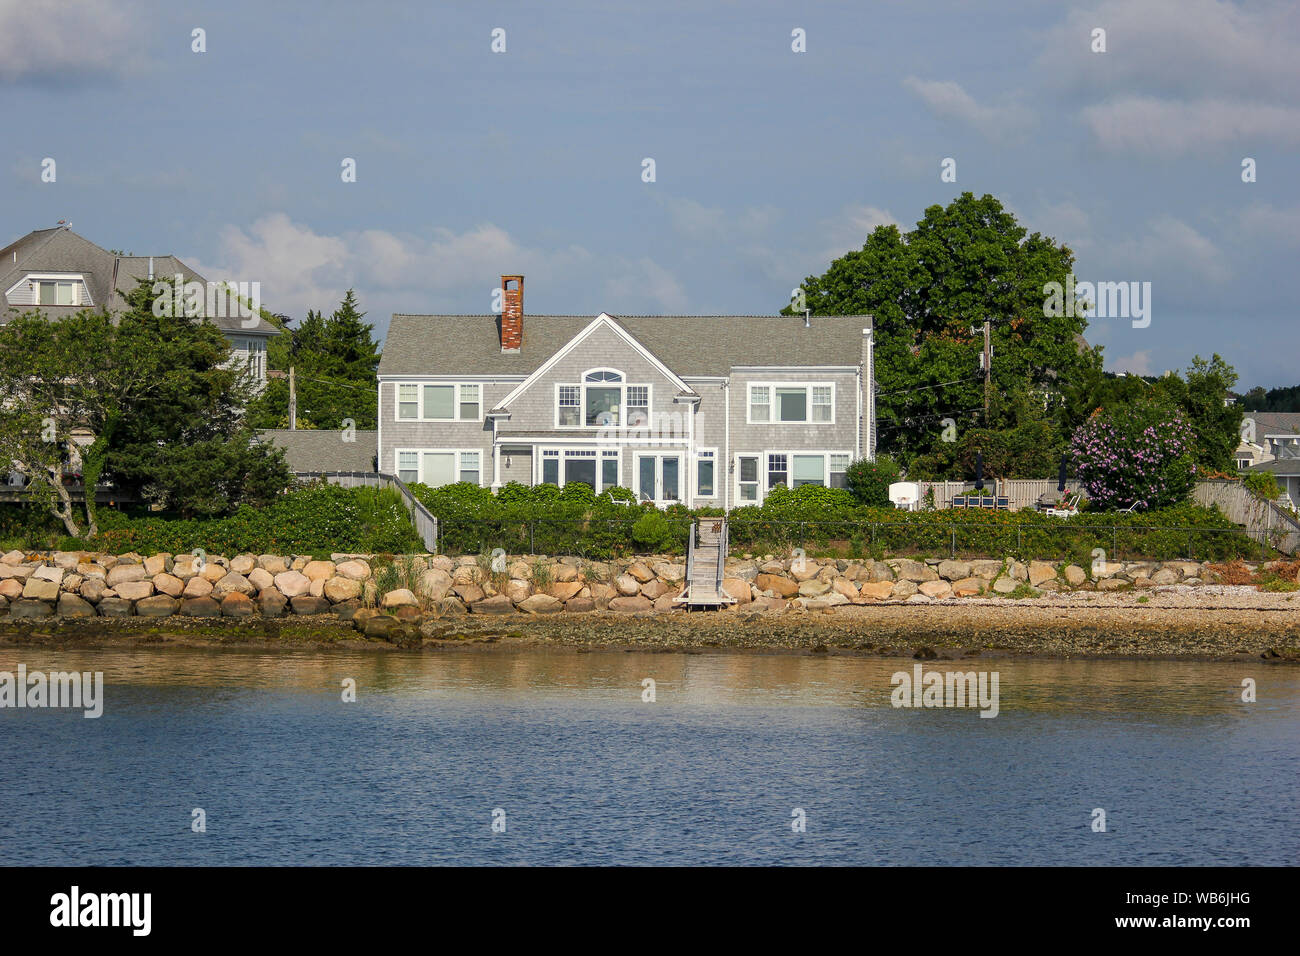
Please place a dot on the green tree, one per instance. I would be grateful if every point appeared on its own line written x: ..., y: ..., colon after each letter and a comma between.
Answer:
x: 335, y: 362
x: 183, y: 441
x: 930, y: 290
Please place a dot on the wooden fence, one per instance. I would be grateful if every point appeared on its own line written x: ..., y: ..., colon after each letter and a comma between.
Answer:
x: 1262, y: 518
x: 425, y: 524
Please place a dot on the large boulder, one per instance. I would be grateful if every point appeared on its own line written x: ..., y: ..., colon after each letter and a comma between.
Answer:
x: 338, y: 589
x: 41, y: 589
x: 156, y: 564
x: 517, y: 589
x: 123, y: 573
x: 197, y: 587
x: 671, y: 573
x: 627, y: 585
x: 72, y: 606
x: 242, y: 563
x: 12, y: 589
x: 47, y: 573
x: 737, y: 588
x: 319, y: 570
x: 26, y: 608
x: 968, y: 587
x: 160, y: 605
x: 115, y: 606
x: 1005, y: 585
x: 134, y: 590
x: 272, y: 603
x: 306, y: 604
x: 813, y: 588
x: 214, y: 571
x: 292, y: 583
x: 233, y: 582
x: 655, y: 589
x: 434, y: 584
x: 197, y: 607
x: 235, y: 604
x: 399, y: 598
x: 469, y: 593
x: 355, y: 569
x: 261, y: 579
x: 985, y: 569
x: 935, y: 589
x: 1040, y: 571
x: 781, y: 586
x: 498, y: 604
x: 541, y: 604
x: 1075, y: 576
x: 272, y: 564
x: 951, y: 570
x: 564, y: 590
x: 915, y: 571
x: 639, y: 571
x: 903, y: 589
x: 630, y: 604
x: 168, y: 584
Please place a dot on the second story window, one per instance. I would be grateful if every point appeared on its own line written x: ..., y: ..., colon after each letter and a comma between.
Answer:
x: 436, y: 402
x: 602, y: 401
x: 791, y: 404
x: 57, y: 293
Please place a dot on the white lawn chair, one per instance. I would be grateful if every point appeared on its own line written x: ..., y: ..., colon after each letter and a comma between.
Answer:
x: 1070, y: 508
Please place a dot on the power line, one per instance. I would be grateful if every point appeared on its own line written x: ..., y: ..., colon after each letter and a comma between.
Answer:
x: 922, y: 388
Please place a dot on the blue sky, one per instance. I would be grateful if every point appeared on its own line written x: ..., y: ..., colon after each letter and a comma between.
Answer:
x: 768, y: 162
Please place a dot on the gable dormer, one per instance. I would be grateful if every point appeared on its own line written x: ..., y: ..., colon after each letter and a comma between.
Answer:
x: 50, y: 289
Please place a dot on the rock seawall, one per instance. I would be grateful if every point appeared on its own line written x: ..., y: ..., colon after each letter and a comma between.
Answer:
x: 74, y: 584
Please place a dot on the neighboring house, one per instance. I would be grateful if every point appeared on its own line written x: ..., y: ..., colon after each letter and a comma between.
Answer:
x: 61, y: 273
x: 311, y: 450
x: 702, y: 410
x: 1266, y: 437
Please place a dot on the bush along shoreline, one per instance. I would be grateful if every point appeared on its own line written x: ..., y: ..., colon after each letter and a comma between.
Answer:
x: 389, y: 597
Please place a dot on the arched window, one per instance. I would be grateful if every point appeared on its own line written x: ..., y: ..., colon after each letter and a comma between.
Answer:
x: 602, y: 375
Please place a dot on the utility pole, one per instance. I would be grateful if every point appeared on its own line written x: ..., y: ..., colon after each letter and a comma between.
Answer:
x: 293, y: 402
x: 988, y: 370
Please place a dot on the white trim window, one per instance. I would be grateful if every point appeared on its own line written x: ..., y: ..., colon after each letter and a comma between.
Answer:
x: 49, y: 289
x: 438, y: 402
x: 440, y: 466
x: 599, y: 469
x: 792, y: 403
x: 706, y: 473
x: 749, y: 490
x: 603, y: 399
x: 789, y: 468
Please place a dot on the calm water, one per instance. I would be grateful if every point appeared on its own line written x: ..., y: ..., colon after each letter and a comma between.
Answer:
x: 588, y: 773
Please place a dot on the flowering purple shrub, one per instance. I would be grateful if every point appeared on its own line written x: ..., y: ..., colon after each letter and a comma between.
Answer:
x: 1134, y: 455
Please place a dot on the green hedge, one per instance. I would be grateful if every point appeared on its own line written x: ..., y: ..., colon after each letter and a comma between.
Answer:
x: 547, y: 520
x: 319, y: 519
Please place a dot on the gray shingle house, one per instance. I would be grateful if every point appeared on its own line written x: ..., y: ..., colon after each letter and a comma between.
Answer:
x: 702, y: 410
x: 61, y: 273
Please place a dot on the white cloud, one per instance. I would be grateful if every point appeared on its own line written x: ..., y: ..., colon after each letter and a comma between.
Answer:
x: 1172, y: 247
x: 642, y: 286
x: 1144, y: 124
x: 1139, y: 363
x: 56, y: 39
x: 948, y: 100
x: 694, y: 220
x: 1267, y: 222
x: 300, y: 269
x: 848, y: 230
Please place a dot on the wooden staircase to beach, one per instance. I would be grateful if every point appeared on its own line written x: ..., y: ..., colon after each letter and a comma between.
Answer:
x: 706, y: 556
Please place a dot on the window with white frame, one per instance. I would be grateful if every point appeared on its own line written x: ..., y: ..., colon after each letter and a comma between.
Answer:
x: 706, y: 473
x: 440, y: 466
x: 793, y: 469
x: 438, y: 402
x: 57, y: 292
x: 598, y: 469
x: 603, y: 399
x: 839, y: 466
x: 792, y: 403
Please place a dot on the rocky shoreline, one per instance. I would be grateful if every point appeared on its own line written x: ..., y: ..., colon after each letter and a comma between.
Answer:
x: 940, y: 608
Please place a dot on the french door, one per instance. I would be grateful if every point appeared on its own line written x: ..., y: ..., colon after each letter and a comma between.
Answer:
x: 659, y: 478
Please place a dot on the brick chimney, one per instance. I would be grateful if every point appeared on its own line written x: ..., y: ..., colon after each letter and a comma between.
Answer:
x: 512, y: 313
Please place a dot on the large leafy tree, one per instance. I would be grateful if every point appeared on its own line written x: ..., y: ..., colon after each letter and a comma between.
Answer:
x: 185, y: 443
x: 335, y: 361
x: 929, y: 290
x: 1200, y: 395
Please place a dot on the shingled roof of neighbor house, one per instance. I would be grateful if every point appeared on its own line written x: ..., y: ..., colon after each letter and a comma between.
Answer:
x: 690, y: 345
x: 107, y: 276
x: 321, y: 449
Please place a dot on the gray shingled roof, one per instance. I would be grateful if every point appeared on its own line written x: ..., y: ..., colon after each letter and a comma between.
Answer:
x: 312, y: 449
x: 1275, y: 423
x: 687, y: 344
x: 1279, y: 466
x: 107, y: 276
